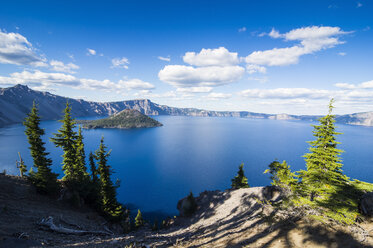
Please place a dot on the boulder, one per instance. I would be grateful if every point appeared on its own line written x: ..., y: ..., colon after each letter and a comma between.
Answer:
x: 366, y: 204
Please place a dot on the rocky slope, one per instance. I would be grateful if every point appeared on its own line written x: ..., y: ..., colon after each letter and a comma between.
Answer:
x: 16, y: 101
x: 231, y: 218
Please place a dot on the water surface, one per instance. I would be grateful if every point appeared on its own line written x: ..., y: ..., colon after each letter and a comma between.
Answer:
x: 158, y: 166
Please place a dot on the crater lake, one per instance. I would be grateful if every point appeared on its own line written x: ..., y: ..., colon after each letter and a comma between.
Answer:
x: 159, y: 166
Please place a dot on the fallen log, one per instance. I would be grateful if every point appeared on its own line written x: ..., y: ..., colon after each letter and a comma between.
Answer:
x: 48, y: 222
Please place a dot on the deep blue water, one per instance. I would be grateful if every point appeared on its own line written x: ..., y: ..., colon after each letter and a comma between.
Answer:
x: 159, y: 166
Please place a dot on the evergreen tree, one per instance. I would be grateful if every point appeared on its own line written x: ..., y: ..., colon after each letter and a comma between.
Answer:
x: 44, y: 179
x: 324, y: 167
x: 240, y: 181
x: 66, y: 139
x: 139, y: 221
x: 109, y: 204
x: 281, y: 174
x: 94, y: 190
x: 92, y: 165
x: 81, y: 169
x: 82, y: 176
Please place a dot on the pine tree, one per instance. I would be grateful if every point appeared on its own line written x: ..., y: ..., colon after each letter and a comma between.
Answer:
x: 94, y: 189
x: 109, y: 204
x: 281, y: 174
x: 44, y: 179
x: 324, y: 167
x: 240, y: 181
x: 66, y: 139
x: 139, y: 221
x: 94, y: 172
x: 81, y: 169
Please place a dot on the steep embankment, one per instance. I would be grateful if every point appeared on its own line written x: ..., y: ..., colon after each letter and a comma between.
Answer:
x: 233, y: 218
x: 16, y: 102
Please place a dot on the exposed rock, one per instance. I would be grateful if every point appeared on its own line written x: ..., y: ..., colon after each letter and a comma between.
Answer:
x: 18, y: 99
x: 366, y: 204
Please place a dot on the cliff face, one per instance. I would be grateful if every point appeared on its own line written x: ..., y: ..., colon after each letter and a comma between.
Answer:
x: 16, y: 102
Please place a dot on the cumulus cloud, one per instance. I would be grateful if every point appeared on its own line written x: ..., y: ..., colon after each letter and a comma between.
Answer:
x: 211, y: 57
x: 16, y: 49
x: 311, y: 39
x: 46, y: 80
x: 91, y: 52
x: 60, y: 66
x: 168, y: 59
x: 120, y: 63
x: 208, y: 68
x: 188, y: 76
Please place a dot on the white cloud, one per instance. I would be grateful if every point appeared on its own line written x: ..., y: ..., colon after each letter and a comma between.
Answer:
x: 274, y: 34
x: 16, y: 49
x: 363, y: 85
x: 195, y: 90
x: 243, y: 29
x: 276, y: 56
x: 46, y: 80
x: 312, y: 39
x: 359, y: 5
x: 342, y: 54
x: 251, y: 69
x: 60, y: 66
x: 136, y: 84
x: 188, y: 76
x: 91, y: 52
x: 120, y: 63
x: 285, y: 93
x: 211, y: 57
x: 218, y: 96
x: 168, y: 59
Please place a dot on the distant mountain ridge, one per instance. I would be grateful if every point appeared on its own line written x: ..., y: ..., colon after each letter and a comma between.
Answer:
x: 16, y: 101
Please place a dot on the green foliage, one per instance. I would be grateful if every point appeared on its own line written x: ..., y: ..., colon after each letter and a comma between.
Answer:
x: 240, y: 181
x: 44, y: 179
x: 108, y: 195
x: 324, y: 167
x: 323, y: 185
x: 125, y: 119
x: 281, y: 174
x: 81, y: 174
x: 94, y: 189
x: 66, y: 139
x: 139, y: 221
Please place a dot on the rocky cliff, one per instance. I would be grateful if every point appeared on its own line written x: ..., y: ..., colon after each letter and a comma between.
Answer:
x: 16, y: 101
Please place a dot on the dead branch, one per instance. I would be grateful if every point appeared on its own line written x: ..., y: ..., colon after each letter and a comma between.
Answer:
x: 48, y: 222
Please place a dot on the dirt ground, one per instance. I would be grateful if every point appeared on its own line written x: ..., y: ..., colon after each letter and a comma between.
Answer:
x: 233, y: 218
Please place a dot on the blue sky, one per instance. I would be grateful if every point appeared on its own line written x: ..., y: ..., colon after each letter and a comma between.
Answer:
x: 261, y: 56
